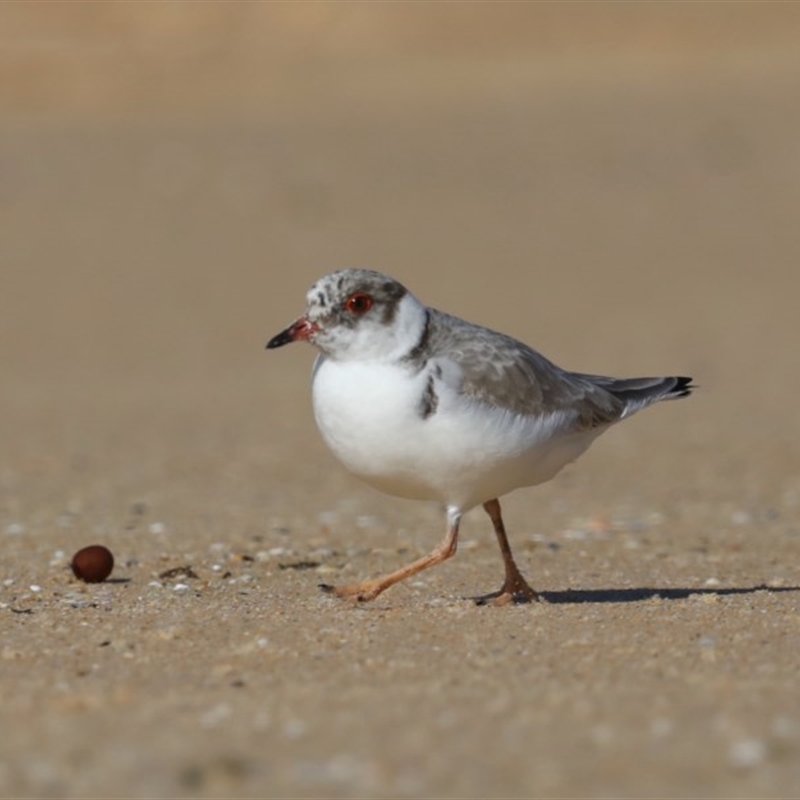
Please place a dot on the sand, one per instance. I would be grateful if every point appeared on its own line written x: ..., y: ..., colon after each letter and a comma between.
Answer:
x: 626, y: 211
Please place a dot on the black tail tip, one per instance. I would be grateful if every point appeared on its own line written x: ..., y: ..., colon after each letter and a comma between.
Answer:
x: 683, y: 387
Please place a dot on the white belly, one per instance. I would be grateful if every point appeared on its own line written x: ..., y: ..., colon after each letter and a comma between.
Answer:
x: 462, y: 454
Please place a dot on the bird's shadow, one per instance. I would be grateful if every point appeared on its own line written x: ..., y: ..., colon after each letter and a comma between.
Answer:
x: 647, y: 593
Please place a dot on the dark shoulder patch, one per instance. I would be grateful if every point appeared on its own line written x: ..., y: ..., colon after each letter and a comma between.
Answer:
x: 429, y: 401
x: 416, y: 356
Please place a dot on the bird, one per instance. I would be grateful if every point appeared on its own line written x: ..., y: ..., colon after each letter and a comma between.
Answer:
x: 424, y: 405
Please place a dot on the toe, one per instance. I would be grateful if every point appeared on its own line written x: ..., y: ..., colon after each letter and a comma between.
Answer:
x: 362, y: 592
x: 505, y: 597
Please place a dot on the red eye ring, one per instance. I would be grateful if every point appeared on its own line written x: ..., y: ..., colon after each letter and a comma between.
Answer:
x: 358, y: 303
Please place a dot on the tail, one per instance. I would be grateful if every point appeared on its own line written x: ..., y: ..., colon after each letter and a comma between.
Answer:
x: 636, y: 393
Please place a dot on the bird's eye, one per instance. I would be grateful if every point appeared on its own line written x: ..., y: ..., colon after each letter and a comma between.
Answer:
x: 358, y: 303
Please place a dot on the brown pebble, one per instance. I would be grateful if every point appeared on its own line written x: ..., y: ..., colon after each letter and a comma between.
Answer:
x: 93, y: 564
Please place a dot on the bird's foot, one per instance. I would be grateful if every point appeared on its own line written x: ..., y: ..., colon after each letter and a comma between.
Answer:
x: 513, y: 592
x: 361, y: 592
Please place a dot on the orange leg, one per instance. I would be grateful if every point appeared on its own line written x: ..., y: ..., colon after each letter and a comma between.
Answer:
x: 515, y: 588
x: 369, y: 590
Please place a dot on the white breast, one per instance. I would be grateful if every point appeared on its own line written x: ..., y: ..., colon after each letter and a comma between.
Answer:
x: 367, y: 415
x: 462, y: 454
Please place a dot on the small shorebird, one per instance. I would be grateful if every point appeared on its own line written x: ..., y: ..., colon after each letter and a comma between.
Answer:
x: 424, y: 405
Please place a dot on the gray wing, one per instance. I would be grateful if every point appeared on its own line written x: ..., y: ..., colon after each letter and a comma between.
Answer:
x: 499, y: 370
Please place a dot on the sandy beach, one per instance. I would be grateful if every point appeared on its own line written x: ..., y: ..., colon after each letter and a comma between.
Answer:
x: 619, y: 188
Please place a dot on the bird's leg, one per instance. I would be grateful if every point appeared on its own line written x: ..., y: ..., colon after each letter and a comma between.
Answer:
x: 515, y: 588
x: 369, y: 590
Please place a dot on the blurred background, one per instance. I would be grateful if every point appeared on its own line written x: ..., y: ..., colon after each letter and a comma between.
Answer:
x: 617, y: 184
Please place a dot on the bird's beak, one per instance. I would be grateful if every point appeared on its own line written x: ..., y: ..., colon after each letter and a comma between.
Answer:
x: 297, y: 332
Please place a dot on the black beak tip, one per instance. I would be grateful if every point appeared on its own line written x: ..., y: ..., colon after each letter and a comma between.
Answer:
x: 284, y: 337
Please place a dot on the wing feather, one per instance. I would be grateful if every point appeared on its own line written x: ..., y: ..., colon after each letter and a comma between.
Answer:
x: 501, y: 371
